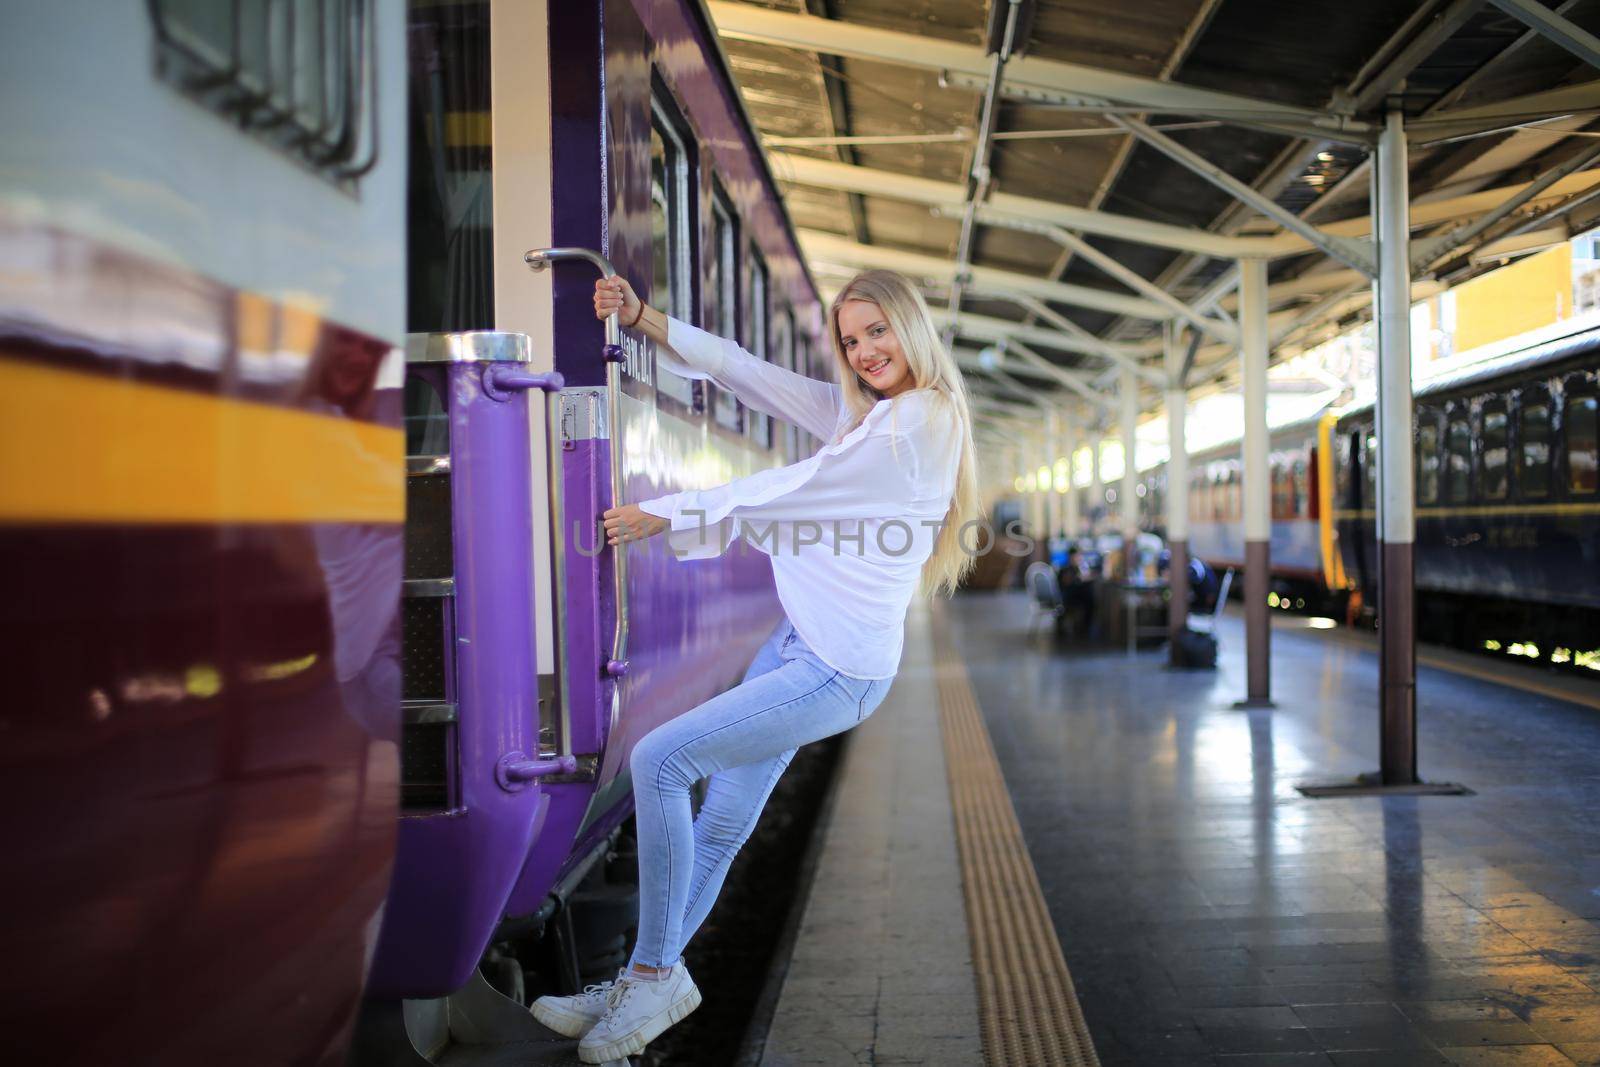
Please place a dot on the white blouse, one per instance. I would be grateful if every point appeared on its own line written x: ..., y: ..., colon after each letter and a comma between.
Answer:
x: 848, y: 529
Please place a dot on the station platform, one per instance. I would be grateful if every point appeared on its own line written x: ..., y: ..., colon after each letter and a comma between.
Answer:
x: 1196, y: 907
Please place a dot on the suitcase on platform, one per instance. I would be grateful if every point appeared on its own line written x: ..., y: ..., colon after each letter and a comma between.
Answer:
x: 1196, y: 650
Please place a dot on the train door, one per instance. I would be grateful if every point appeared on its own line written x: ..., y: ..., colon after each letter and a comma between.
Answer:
x: 482, y: 728
x: 637, y: 132
x: 1361, y: 506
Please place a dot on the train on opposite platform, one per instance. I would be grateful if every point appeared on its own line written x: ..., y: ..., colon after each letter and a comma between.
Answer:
x: 1508, y: 506
x: 328, y: 682
x: 1306, y: 567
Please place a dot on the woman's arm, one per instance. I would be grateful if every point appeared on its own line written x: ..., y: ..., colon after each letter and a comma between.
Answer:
x: 694, y: 353
x: 873, y: 473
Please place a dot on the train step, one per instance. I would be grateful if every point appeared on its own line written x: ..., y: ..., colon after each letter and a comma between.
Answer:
x: 477, y: 1026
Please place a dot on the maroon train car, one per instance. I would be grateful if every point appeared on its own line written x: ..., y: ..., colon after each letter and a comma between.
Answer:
x: 201, y: 306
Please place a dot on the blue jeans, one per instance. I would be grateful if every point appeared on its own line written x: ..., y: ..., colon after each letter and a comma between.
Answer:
x: 742, y: 740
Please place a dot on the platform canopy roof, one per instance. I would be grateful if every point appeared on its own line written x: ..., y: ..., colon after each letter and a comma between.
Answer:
x: 1076, y: 175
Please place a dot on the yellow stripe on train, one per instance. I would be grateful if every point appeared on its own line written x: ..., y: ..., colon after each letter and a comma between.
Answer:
x: 81, y: 448
x: 1502, y: 510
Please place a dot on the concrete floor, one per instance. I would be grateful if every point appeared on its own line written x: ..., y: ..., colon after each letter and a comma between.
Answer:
x: 1211, y: 915
x: 882, y: 970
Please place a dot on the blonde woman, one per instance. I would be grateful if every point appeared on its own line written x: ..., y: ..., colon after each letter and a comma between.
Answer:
x: 853, y: 532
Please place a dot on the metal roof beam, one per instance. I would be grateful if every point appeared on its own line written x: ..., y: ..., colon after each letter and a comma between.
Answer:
x: 1473, y: 121
x: 1034, y: 96
x: 1111, y: 352
x: 1072, y: 381
x: 1108, y: 264
x: 833, y: 88
x: 1002, y: 381
x: 1425, y: 253
x: 827, y: 174
x: 1563, y: 32
x: 1040, y: 310
x: 829, y: 247
x: 1397, y: 57
x: 972, y: 360
x: 1368, y: 88
x: 1426, y: 213
x: 1139, y: 284
x: 1552, y: 214
x: 1006, y: 411
x: 1470, y: 82
x: 1344, y: 250
x: 987, y: 328
x: 1003, y: 28
x: 1088, y: 87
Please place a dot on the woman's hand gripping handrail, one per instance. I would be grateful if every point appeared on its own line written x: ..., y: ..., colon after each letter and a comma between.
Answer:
x: 539, y: 259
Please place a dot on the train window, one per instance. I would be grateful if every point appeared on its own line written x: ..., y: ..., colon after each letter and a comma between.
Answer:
x: 1369, y: 469
x: 1492, y: 470
x: 757, y: 424
x: 783, y: 355
x: 724, y: 319
x: 1428, y: 461
x: 804, y: 443
x: 426, y: 423
x: 449, y: 221
x: 1302, y: 488
x: 670, y: 227
x: 299, y: 75
x: 1458, y: 460
x: 1341, y: 471
x: 1583, y: 443
x: 1282, y: 490
x: 1533, y: 433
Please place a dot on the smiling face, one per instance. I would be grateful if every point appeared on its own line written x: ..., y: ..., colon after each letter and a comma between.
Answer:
x: 872, y: 348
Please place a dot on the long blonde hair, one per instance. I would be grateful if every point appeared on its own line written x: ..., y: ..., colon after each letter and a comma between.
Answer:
x: 932, y: 368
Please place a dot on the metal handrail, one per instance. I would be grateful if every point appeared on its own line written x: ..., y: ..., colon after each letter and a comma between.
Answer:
x: 540, y: 259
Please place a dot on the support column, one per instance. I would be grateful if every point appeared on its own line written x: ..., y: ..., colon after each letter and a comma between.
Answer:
x: 1014, y: 462
x: 1072, y: 483
x: 1257, y: 483
x: 1177, y: 494
x: 1041, y: 500
x: 1097, y: 489
x: 1127, y: 496
x: 1052, y: 452
x: 1397, y: 666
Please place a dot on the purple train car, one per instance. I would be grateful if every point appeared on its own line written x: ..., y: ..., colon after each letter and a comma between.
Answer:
x: 536, y: 657
x: 202, y: 316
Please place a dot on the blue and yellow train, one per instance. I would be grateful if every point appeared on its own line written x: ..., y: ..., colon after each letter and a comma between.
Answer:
x: 1508, y: 506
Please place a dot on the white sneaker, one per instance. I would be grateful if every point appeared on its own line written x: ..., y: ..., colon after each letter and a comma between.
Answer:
x: 573, y: 1016
x: 636, y: 1014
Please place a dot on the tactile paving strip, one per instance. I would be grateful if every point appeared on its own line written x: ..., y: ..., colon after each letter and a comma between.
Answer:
x: 1028, y: 1009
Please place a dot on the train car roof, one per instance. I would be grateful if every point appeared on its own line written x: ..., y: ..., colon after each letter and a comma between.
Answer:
x: 1511, y: 364
x: 1230, y: 448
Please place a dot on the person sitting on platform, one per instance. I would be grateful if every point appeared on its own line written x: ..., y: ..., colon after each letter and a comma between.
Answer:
x: 1077, y: 594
